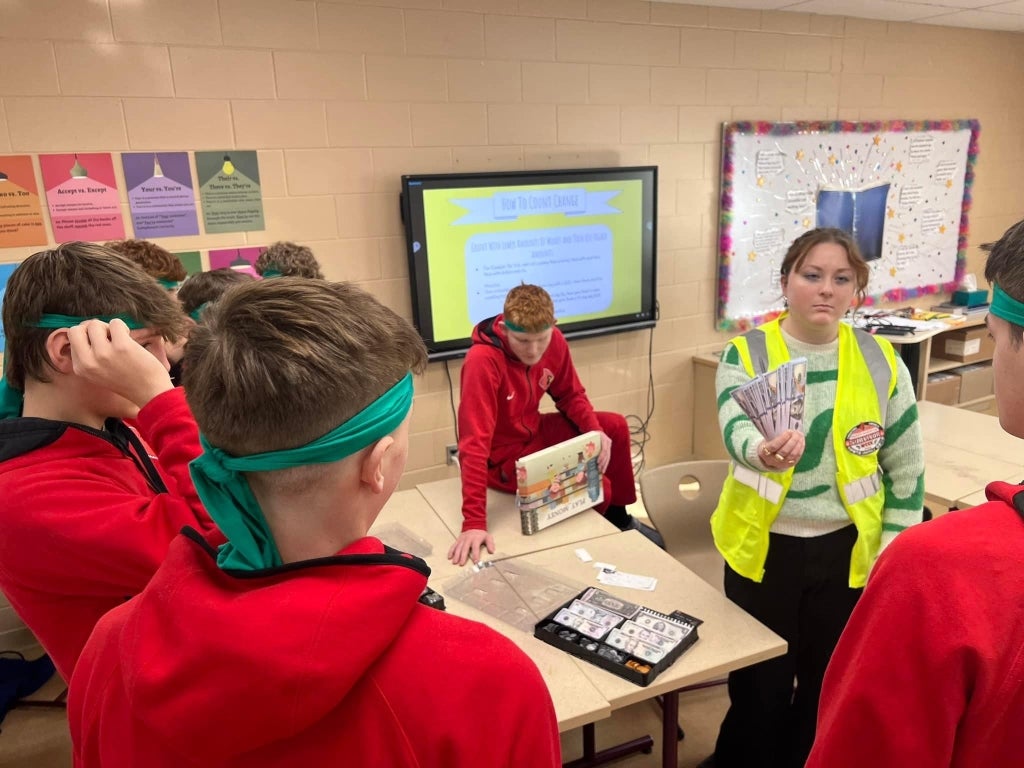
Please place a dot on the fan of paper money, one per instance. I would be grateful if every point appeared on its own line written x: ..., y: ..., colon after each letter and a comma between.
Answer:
x: 774, y: 401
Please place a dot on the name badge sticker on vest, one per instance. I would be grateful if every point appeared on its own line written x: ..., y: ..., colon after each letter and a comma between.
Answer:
x: 866, y: 438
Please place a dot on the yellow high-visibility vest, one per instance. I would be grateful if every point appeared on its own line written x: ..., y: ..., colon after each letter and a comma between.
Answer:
x: 751, y: 501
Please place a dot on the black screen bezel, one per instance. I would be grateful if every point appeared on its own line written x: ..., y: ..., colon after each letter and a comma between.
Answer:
x: 419, y: 269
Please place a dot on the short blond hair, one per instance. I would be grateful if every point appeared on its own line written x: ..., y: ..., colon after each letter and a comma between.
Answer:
x: 529, y: 307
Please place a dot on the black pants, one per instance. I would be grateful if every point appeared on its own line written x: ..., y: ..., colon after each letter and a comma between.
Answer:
x: 805, y: 598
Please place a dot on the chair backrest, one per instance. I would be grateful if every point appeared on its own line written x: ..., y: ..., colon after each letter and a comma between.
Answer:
x: 679, y: 499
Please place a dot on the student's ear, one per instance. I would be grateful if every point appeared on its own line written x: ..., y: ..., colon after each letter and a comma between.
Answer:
x: 371, y: 472
x: 58, y: 350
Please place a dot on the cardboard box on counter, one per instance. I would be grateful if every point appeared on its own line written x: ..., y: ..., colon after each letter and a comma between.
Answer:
x: 965, y: 345
x: 943, y: 388
x: 975, y: 381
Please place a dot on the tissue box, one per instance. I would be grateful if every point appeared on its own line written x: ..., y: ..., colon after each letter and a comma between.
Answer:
x: 970, y: 298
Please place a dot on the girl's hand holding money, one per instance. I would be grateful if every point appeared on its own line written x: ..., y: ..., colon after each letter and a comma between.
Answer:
x: 782, y: 451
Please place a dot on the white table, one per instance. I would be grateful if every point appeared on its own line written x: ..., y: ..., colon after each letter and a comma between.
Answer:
x: 503, y: 521
x: 729, y: 637
x: 408, y: 513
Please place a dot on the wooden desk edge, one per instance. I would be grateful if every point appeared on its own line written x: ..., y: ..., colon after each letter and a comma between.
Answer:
x: 572, y: 723
x: 661, y: 685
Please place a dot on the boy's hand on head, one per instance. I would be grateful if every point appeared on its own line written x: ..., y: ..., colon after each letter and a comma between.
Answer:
x: 469, y: 544
x: 108, y: 356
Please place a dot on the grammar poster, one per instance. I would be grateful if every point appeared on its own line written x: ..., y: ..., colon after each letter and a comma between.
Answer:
x: 564, y: 236
x: 21, y: 213
x: 229, y: 186
x: 81, y: 193
x: 160, y: 194
x: 6, y: 270
x: 240, y: 259
x: 191, y: 260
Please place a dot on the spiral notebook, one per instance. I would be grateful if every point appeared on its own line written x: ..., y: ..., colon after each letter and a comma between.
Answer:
x: 556, y: 483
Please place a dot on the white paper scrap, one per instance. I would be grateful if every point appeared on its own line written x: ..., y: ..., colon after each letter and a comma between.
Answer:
x: 629, y: 580
x: 583, y: 555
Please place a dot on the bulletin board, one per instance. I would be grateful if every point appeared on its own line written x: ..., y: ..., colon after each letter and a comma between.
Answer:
x: 901, y: 188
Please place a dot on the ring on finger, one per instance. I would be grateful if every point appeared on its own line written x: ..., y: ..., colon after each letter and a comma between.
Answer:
x: 780, y: 457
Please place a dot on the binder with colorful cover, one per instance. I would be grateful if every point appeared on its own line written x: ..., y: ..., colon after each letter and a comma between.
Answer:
x: 558, y: 482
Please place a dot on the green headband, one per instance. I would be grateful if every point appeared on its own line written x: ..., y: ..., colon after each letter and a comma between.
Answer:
x: 220, y: 478
x: 11, y: 400
x: 195, y: 313
x: 272, y: 272
x: 1006, y: 307
x: 69, y: 321
x: 519, y: 329
x: 170, y: 285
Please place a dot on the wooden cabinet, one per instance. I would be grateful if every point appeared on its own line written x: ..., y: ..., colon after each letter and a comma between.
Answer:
x: 918, y: 352
x: 915, y: 350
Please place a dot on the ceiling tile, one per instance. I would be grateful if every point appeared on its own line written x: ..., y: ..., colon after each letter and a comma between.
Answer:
x: 981, y: 20
x: 887, y: 10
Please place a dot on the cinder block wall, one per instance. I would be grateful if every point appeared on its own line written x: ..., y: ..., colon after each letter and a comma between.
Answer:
x: 340, y: 98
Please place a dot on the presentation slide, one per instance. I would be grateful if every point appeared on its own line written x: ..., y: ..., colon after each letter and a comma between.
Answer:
x: 581, y: 242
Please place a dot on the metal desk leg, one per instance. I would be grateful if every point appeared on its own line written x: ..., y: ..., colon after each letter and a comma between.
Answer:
x: 669, y: 730
x: 591, y: 757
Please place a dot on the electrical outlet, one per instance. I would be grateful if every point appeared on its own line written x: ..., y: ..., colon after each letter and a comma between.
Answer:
x: 451, y: 454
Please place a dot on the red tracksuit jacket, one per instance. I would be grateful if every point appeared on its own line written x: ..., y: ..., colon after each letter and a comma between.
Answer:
x: 499, y: 409
x: 88, y: 515
x: 329, y: 662
x: 930, y: 669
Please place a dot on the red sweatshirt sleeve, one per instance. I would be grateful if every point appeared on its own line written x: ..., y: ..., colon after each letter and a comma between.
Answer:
x: 116, y: 536
x: 478, y: 410
x: 899, y: 679
x: 567, y: 390
x: 166, y: 423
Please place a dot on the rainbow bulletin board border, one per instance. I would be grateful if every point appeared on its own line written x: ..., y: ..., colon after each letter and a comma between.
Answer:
x: 834, y: 132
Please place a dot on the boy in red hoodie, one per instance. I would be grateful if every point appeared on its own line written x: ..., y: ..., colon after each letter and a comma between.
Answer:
x: 929, y: 671
x: 88, y: 511
x: 301, y: 641
x: 515, y: 359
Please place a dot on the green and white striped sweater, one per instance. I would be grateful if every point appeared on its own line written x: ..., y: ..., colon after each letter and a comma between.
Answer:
x: 813, y: 506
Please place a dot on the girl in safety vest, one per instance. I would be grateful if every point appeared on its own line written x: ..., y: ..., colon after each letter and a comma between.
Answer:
x: 803, y: 515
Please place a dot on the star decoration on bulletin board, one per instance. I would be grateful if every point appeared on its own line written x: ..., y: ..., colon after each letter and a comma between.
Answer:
x: 800, y: 154
x: 760, y: 181
x: 949, y: 183
x: 877, y: 140
x: 942, y: 229
x: 831, y: 159
x: 902, y: 237
x: 892, y: 271
x: 890, y: 213
x: 752, y: 256
x: 899, y: 167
